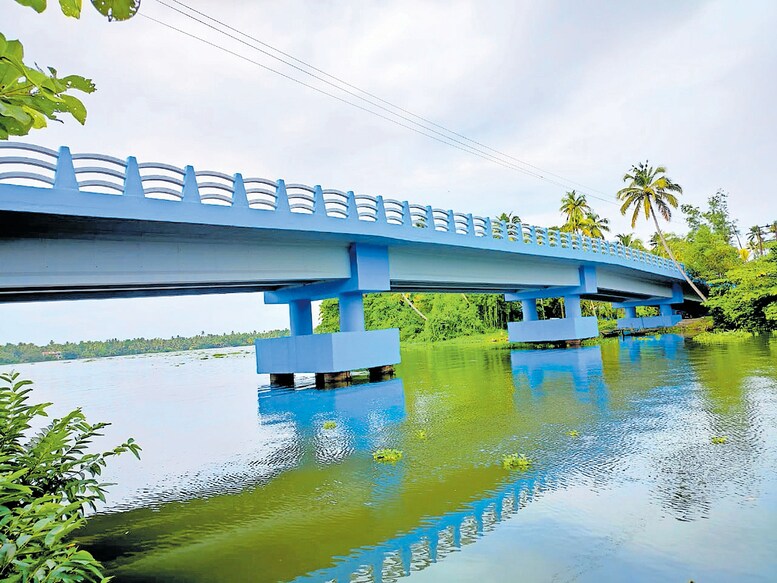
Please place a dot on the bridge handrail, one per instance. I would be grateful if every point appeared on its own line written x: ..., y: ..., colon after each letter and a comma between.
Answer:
x: 28, y: 162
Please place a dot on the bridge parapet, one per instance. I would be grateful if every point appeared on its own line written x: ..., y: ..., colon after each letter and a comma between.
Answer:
x: 67, y: 174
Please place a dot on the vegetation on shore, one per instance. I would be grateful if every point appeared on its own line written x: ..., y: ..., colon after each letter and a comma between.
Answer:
x: 27, y: 352
x: 48, y: 480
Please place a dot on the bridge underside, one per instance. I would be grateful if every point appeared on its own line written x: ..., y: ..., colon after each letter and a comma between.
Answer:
x: 55, y: 257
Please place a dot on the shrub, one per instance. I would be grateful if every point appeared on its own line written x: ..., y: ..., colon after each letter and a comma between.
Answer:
x: 47, y: 482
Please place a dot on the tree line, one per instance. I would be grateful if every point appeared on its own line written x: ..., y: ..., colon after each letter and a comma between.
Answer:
x: 27, y: 352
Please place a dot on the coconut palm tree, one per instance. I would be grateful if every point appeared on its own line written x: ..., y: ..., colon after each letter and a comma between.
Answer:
x: 629, y: 240
x: 594, y: 225
x: 755, y: 236
x: 575, y: 207
x: 650, y: 190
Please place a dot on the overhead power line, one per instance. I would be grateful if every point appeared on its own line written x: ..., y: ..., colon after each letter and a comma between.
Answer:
x: 449, y: 138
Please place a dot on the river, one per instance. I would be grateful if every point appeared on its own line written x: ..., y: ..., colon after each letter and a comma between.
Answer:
x: 240, y: 482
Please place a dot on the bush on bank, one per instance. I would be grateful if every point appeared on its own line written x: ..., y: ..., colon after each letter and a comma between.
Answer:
x: 48, y: 480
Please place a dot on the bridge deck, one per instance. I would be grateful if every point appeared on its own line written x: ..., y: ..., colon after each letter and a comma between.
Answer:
x: 78, y: 226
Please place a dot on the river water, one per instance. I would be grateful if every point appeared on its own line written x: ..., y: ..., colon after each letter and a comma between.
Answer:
x: 240, y: 482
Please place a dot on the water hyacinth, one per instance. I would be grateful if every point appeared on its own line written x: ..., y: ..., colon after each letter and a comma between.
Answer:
x: 515, y: 461
x: 573, y: 433
x: 387, y: 455
x: 717, y: 439
x: 330, y: 424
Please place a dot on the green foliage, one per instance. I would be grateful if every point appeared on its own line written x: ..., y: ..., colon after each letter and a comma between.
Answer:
x: 749, y: 300
x: 330, y: 424
x: 26, y: 352
x: 573, y: 433
x: 575, y: 208
x: 718, y: 439
x: 629, y: 240
x: 112, y: 9
x: 514, y: 461
x: 451, y: 316
x: 717, y: 216
x: 421, y: 434
x: 722, y: 337
x: 387, y: 455
x: 708, y: 255
x: 47, y: 482
x: 29, y: 96
x: 438, y: 316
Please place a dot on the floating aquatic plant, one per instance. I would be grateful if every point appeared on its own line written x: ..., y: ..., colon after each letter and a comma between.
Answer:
x: 420, y: 434
x: 387, y: 455
x: 514, y: 461
x: 330, y: 424
x: 719, y: 439
x: 573, y: 433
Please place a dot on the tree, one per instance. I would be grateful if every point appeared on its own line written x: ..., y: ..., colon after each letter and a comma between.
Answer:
x: 595, y: 226
x: 629, y: 240
x: 750, y: 300
x: 575, y: 207
x: 30, y: 96
x: 650, y: 190
x: 47, y: 482
x: 717, y: 217
x: 708, y: 255
x: 755, y: 237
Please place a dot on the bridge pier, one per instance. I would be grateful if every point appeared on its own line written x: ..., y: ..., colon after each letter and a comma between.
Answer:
x: 332, y: 357
x: 573, y: 327
x: 666, y: 318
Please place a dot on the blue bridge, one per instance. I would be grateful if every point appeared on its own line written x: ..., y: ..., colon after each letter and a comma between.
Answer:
x: 85, y: 225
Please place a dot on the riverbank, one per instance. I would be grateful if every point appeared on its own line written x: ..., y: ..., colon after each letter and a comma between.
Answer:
x: 699, y: 329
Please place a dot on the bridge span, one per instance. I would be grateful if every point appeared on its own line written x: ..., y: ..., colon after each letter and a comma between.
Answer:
x: 85, y: 225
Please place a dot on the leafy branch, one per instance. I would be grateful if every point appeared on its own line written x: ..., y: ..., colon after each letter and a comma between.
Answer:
x: 47, y: 482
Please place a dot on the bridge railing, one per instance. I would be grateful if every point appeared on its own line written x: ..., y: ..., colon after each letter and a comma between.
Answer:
x: 31, y: 165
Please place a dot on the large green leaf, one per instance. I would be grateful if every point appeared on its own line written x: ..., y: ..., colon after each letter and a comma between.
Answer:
x: 117, y: 9
x: 71, y: 8
x: 37, y: 5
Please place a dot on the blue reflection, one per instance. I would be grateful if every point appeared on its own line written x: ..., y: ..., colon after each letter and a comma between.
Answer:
x: 668, y: 344
x: 542, y: 369
x: 360, y: 411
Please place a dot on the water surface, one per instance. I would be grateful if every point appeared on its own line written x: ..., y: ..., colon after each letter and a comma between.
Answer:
x: 240, y: 482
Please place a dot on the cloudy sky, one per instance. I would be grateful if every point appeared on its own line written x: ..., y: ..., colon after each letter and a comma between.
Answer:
x: 579, y: 89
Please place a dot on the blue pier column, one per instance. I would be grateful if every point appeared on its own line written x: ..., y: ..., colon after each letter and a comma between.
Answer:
x: 529, y: 309
x: 666, y: 318
x: 572, y: 327
x: 300, y: 317
x: 353, y: 348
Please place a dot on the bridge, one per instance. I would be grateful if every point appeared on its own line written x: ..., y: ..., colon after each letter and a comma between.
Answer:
x: 86, y: 225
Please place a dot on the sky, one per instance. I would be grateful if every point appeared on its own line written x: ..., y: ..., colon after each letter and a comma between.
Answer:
x: 582, y: 90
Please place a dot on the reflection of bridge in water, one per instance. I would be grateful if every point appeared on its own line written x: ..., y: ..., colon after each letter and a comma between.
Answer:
x: 439, y: 536
x: 431, y: 542
x: 535, y: 373
x: 360, y: 411
x: 582, y: 365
